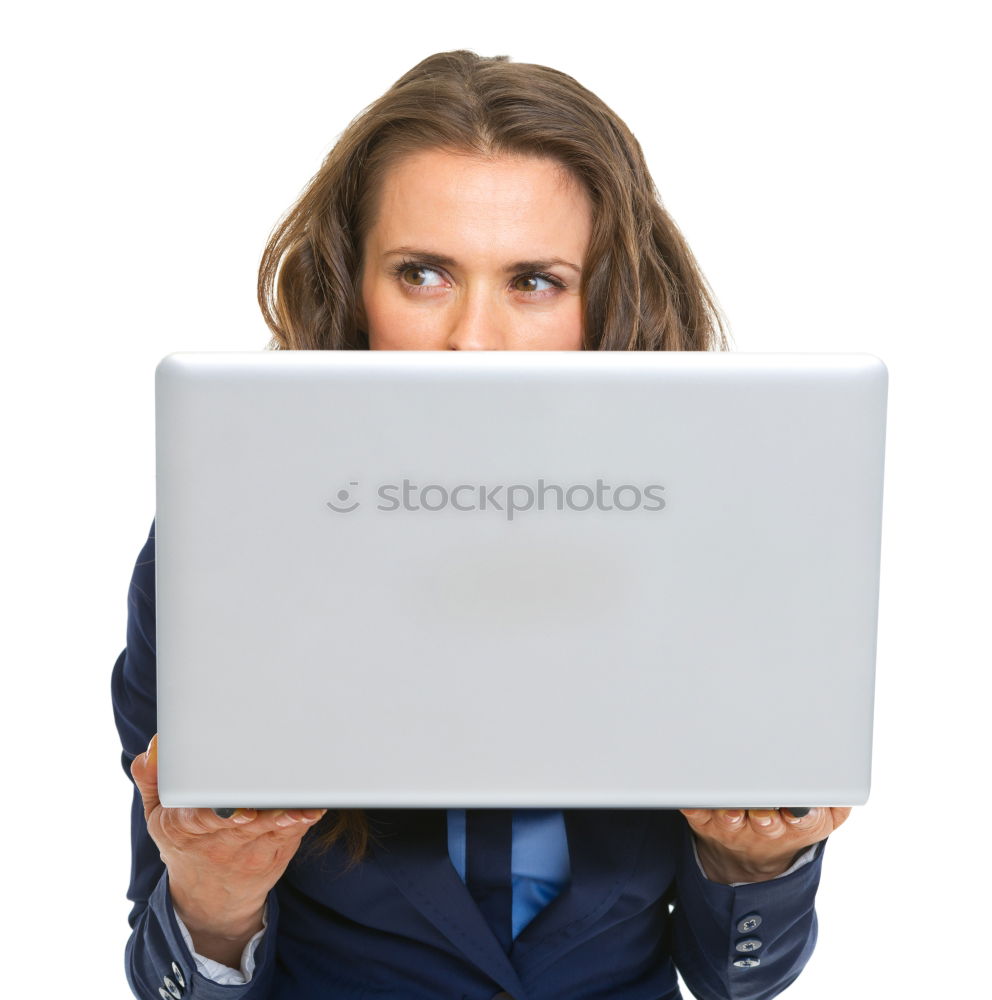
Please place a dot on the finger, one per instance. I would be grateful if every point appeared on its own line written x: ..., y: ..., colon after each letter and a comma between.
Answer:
x: 292, y: 817
x: 730, y: 821
x: 247, y: 824
x: 813, y: 819
x: 766, y: 823
x: 278, y: 824
x: 818, y: 823
x: 237, y: 816
x: 698, y: 818
x: 144, y: 773
x: 198, y: 822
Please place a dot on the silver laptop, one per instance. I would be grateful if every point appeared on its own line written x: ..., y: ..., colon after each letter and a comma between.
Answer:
x: 517, y: 579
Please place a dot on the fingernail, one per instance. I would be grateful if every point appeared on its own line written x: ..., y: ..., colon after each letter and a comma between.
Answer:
x: 284, y: 819
x: 151, y: 747
x: 245, y: 815
x: 762, y: 818
x: 734, y: 815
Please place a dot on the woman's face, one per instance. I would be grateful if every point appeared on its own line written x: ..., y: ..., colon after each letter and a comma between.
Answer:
x: 467, y: 253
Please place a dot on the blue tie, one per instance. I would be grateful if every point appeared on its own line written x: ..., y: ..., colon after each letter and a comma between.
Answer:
x: 488, y: 843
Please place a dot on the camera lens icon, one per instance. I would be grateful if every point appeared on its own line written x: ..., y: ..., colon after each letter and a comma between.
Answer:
x: 343, y: 497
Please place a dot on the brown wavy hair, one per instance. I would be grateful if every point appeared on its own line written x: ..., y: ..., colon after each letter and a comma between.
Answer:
x: 642, y: 289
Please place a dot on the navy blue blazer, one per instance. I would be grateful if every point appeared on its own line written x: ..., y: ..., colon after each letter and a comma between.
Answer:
x: 401, y: 925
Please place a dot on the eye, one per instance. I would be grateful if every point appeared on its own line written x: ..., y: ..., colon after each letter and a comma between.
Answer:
x: 414, y: 274
x: 531, y: 283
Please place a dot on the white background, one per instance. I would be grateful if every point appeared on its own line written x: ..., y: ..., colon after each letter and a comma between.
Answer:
x: 829, y: 165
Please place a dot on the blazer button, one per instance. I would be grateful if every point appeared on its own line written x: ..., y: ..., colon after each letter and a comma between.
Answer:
x: 749, y: 923
x: 751, y: 944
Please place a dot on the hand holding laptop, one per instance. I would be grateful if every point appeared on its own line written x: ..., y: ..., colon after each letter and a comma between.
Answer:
x: 739, y: 845
x: 220, y: 870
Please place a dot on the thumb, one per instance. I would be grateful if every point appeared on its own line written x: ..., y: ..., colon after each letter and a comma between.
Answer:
x: 144, y: 772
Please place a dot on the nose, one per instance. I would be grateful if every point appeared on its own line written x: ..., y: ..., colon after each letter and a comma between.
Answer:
x: 476, y: 325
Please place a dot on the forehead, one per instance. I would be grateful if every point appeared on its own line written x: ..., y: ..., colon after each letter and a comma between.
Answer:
x: 441, y: 200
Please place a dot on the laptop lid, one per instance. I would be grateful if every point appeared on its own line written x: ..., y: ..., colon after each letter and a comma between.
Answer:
x: 527, y: 579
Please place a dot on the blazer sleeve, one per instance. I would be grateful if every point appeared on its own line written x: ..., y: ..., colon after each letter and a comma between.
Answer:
x: 157, y: 961
x: 745, y: 942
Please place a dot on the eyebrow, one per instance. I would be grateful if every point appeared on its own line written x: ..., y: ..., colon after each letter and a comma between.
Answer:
x: 440, y: 260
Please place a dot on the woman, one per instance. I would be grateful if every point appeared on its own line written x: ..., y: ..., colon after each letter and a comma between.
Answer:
x: 478, y: 205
